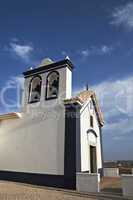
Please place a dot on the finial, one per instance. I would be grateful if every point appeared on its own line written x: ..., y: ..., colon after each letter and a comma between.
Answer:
x: 67, y: 58
x: 87, y: 87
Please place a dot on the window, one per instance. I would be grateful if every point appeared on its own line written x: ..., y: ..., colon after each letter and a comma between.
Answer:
x: 35, y: 89
x: 91, y: 121
x: 91, y: 105
x: 52, y: 85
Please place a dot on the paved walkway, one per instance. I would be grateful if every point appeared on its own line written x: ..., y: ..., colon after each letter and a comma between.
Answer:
x: 17, y: 191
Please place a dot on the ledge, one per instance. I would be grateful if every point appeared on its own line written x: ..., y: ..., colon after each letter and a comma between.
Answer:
x: 7, y: 116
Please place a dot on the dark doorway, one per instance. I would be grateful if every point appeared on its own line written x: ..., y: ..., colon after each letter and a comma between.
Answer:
x: 93, y: 159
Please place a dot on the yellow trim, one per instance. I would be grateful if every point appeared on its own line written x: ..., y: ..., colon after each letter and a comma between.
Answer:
x: 10, y: 116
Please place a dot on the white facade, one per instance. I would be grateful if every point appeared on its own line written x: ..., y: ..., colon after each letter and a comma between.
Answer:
x: 36, y: 141
x: 89, y: 139
x: 33, y: 144
x: 127, y: 185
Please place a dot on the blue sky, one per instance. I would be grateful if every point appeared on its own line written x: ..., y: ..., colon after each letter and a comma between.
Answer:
x: 96, y: 35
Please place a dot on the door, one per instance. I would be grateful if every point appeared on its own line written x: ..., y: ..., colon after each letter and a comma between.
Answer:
x: 93, y: 159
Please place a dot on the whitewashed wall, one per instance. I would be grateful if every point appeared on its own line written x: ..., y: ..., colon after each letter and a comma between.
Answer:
x: 86, y: 182
x: 127, y: 185
x: 111, y: 172
x: 35, y: 143
x: 85, y: 141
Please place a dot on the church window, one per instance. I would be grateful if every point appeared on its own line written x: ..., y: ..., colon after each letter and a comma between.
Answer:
x: 35, y: 89
x: 52, y: 85
x: 91, y: 121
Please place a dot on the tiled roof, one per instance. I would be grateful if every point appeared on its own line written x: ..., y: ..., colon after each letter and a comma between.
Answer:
x: 84, y: 96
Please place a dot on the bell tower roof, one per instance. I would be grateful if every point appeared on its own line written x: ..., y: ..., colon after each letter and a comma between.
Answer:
x: 47, y: 64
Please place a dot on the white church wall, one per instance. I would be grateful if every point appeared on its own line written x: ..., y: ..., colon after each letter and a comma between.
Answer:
x: 127, y: 185
x: 85, y: 163
x: 85, y: 141
x: 99, y: 151
x: 97, y: 130
x: 35, y: 143
x: 68, y: 84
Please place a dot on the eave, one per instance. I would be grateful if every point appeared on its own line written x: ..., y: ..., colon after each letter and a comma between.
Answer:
x: 13, y: 115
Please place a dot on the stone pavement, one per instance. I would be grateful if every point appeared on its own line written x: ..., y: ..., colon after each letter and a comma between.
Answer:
x: 17, y: 191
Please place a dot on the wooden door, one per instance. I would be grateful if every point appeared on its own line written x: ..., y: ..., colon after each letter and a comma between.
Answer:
x: 93, y: 159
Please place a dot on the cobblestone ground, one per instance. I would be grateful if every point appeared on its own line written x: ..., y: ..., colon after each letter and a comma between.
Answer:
x: 18, y: 191
x: 14, y: 191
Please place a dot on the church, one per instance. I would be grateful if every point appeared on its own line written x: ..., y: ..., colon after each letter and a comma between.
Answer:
x: 55, y: 135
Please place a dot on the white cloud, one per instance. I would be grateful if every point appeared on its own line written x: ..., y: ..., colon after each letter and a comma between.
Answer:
x: 64, y: 53
x: 106, y: 50
x: 123, y: 16
x: 14, y: 85
x: 96, y: 50
x: 21, y: 51
x: 120, y: 129
x: 116, y: 100
x: 85, y: 52
x: 116, y: 97
x: 19, y: 80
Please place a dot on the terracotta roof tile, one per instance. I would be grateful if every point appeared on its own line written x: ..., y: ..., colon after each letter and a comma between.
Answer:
x: 84, y: 96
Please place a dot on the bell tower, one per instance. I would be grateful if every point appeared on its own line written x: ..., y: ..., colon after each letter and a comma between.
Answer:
x: 49, y: 83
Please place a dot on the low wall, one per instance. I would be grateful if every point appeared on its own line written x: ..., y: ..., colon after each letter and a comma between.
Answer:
x: 86, y: 182
x: 111, y: 172
x: 127, y: 185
